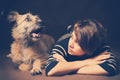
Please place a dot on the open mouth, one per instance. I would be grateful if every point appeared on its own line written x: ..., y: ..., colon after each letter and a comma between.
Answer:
x: 36, y: 33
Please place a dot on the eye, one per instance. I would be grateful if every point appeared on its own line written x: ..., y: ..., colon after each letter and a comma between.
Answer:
x: 77, y: 41
x: 28, y: 18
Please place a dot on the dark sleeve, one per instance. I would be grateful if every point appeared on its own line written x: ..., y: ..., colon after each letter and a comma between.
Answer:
x: 52, y: 62
x: 111, y: 65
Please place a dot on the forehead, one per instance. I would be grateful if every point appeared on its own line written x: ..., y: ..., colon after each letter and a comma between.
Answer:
x: 77, y: 32
x: 73, y: 35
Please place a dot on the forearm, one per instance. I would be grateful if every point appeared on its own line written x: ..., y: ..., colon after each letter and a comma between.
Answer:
x: 66, y: 67
x: 93, y: 70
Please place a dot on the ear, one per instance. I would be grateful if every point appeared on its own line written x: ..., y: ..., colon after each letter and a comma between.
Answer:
x: 9, y: 55
x: 13, y: 16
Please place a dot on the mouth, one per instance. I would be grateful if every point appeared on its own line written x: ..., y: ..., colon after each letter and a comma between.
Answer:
x: 69, y: 50
x: 36, y: 33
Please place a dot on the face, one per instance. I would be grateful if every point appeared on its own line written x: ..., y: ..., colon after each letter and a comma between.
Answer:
x: 74, y: 47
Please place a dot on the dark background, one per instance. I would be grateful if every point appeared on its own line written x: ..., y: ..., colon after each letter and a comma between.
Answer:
x: 58, y: 14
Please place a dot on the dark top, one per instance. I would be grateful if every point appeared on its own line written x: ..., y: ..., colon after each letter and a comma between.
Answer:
x: 111, y: 65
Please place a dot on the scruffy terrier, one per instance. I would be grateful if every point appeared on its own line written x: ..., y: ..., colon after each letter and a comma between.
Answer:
x: 30, y: 47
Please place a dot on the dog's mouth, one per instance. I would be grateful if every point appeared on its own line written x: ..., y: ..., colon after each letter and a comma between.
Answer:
x: 36, y: 33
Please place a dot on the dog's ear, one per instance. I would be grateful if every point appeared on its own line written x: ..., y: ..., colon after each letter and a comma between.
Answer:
x: 13, y: 16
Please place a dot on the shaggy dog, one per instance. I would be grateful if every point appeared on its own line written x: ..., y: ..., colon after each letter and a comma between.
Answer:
x: 30, y: 47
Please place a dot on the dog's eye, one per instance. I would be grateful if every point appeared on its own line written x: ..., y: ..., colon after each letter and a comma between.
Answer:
x: 28, y: 18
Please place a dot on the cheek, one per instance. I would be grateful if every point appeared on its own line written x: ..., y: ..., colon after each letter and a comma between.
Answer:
x: 69, y: 42
x: 79, y: 51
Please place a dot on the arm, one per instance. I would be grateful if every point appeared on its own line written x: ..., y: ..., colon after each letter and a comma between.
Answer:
x: 92, y: 70
x: 63, y: 67
x: 109, y: 67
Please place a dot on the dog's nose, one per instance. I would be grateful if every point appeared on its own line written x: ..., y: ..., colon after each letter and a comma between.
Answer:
x: 38, y: 19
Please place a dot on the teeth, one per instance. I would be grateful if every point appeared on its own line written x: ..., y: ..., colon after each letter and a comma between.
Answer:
x: 34, y: 35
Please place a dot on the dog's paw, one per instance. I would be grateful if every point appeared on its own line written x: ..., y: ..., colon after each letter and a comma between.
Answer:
x: 25, y: 67
x: 36, y: 71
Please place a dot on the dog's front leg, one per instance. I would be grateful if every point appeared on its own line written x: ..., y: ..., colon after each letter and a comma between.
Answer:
x: 25, y: 67
x: 36, y: 67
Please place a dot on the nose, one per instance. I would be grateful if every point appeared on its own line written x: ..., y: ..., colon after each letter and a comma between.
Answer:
x: 71, y: 45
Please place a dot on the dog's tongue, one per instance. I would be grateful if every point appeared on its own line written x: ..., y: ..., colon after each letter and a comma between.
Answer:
x: 36, y: 35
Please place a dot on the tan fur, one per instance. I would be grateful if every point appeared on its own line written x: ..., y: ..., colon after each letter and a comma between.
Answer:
x: 30, y: 53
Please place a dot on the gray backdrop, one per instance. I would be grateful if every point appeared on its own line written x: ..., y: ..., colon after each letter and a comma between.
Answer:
x: 58, y: 14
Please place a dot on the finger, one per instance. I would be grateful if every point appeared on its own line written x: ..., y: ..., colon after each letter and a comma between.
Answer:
x: 56, y: 56
x: 59, y: 57
x: 99, y: 62
x: 103, y: 57
x: 105, y: 53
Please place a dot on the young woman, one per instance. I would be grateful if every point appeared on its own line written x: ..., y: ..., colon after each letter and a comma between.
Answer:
x: 84, y: 52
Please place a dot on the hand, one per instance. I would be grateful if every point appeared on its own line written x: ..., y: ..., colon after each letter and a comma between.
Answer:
x: 59, y: 57
x: 98, y: 59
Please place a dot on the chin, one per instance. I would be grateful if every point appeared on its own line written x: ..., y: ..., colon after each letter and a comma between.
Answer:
x: 70, y: 52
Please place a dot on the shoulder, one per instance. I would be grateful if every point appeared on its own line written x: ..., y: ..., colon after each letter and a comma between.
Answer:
x: 61, y: 47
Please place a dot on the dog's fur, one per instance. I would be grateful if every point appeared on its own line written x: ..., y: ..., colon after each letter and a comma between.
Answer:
x: 30, y: 47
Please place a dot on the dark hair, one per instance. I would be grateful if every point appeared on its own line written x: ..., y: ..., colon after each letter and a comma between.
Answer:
x: 91, y: 34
